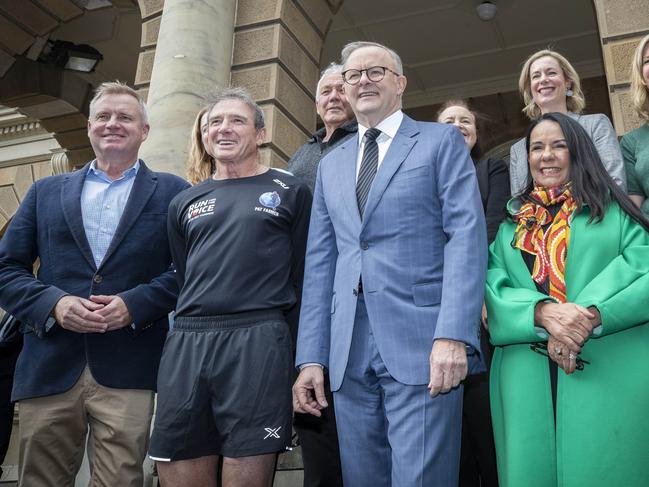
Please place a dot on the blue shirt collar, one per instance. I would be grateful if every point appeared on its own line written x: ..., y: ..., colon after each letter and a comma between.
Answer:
x: 128, y: 174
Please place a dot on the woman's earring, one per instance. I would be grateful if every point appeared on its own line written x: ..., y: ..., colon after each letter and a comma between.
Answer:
x: 569, y: 92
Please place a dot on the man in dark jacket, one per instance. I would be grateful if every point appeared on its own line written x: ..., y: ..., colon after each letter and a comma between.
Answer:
x: 318, y: 435
x: 96, y: 312
x: 9, y: 350
x: 336, y: 114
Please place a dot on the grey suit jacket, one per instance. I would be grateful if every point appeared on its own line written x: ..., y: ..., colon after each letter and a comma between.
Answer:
x: 600, y: 129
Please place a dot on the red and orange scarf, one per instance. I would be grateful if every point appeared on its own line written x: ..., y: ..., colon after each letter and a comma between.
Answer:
x: 549, y: 247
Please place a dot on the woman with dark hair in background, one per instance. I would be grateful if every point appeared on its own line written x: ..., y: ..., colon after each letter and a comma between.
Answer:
x: 635, y: 144
x: 549, y: 83
x: 493, y: 178
x: 570, y: 375
x: 477, y: 458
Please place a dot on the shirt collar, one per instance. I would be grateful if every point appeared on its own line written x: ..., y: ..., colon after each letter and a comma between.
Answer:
x: 388, y: 126
x: 346, y: 128
x: 129, y: 173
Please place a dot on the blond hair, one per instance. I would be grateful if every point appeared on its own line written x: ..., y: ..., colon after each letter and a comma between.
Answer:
x: 574, y: 103
x: 639, y: 91
x: 200, y: 165
x: 118, y: 88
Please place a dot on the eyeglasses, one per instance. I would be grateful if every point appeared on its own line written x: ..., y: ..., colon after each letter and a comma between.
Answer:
x: 374, y: 74
x: 542, y: 348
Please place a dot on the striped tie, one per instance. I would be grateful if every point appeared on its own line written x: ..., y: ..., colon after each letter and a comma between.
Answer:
x: 369, y: 164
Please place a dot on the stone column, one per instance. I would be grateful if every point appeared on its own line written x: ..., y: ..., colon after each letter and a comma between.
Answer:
x: 276, y: 56
x: 193, y: 55
x: 622, y: 23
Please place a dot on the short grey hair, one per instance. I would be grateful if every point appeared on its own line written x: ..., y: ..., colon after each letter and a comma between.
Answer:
x: 237, y: 93
x: 353, y: 46
x: 333, y: 68
x: 117, y: 88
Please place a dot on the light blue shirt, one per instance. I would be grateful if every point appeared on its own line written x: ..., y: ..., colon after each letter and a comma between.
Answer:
x: 102, y: 203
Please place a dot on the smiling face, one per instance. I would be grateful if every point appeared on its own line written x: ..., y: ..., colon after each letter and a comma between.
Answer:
x: 116, y: 128
x: 548, y: 85
x: 372, y: 101
x: 549, y: 157
x: 331, y: 103
x: 232, y: 136
x: 464, y: 120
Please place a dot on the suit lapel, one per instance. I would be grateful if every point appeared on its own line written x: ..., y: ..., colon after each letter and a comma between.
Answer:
x: 71, y: 204
x: 143, y: 187
x: 403, y: 142
x: 347, y: 178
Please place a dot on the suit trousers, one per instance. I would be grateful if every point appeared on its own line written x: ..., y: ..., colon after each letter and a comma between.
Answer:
x: 53, y: 433
x: 393, y: 434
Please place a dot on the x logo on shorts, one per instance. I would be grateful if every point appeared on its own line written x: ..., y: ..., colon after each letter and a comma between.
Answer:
x: 272, y: 432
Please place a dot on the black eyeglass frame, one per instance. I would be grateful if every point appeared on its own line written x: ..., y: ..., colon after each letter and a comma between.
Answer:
x: 542, y: 348
x: 367, y: 73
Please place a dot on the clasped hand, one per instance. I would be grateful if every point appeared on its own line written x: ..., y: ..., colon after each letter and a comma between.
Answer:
x: 569, y: 326
x: 98, y: 314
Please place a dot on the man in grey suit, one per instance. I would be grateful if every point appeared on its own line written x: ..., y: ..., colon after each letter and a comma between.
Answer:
x: 393, y: 284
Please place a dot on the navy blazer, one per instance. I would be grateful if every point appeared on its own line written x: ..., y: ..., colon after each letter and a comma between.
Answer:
x: 48, y: 226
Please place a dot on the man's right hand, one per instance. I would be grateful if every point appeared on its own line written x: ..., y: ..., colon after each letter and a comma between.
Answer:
x: 308, y: 391
x: 77, y: 314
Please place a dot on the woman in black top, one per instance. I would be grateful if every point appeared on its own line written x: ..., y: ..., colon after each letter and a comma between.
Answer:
x: 478, y: 459
x: 493, y: 177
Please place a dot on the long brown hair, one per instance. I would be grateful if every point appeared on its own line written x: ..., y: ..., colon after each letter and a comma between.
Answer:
x: 200, y: 165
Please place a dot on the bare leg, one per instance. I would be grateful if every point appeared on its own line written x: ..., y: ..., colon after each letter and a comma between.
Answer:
x: 196, y: 472
x: 254, y: 471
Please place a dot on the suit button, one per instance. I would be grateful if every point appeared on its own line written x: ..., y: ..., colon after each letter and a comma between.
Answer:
x: 365, y: 245
x: 97, y: 279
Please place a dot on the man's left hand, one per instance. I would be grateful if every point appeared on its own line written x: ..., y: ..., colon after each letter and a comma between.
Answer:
x: 448, y: 365
x: 114, y: 310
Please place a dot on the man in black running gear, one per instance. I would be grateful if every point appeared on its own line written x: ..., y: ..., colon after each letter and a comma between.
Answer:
x: 238, y: 243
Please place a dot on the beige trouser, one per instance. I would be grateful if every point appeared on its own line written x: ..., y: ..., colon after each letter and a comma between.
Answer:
x: 53, y: 431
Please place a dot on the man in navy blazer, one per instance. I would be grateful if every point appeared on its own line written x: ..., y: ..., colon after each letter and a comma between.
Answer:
x: 96, y: 312
x: 393, y: 286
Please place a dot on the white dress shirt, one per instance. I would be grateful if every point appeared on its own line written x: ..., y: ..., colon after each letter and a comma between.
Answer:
x: 388, y: 127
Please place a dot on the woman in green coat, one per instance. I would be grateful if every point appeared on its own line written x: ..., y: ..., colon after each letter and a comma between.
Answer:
x: 567, y: 293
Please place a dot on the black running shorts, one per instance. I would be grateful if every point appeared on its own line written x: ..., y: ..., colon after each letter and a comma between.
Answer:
x: 224, y: 387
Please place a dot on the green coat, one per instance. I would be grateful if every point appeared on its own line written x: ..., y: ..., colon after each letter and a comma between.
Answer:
x: 602, y: 423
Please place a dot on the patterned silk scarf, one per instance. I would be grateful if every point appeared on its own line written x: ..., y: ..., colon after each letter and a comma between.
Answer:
x: 549, y: 247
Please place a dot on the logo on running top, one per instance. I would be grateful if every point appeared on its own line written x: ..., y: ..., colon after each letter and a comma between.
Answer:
x: 272, y: 432
x: 270, y: 199
x: 281, y: 183
x: 200, y: 208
